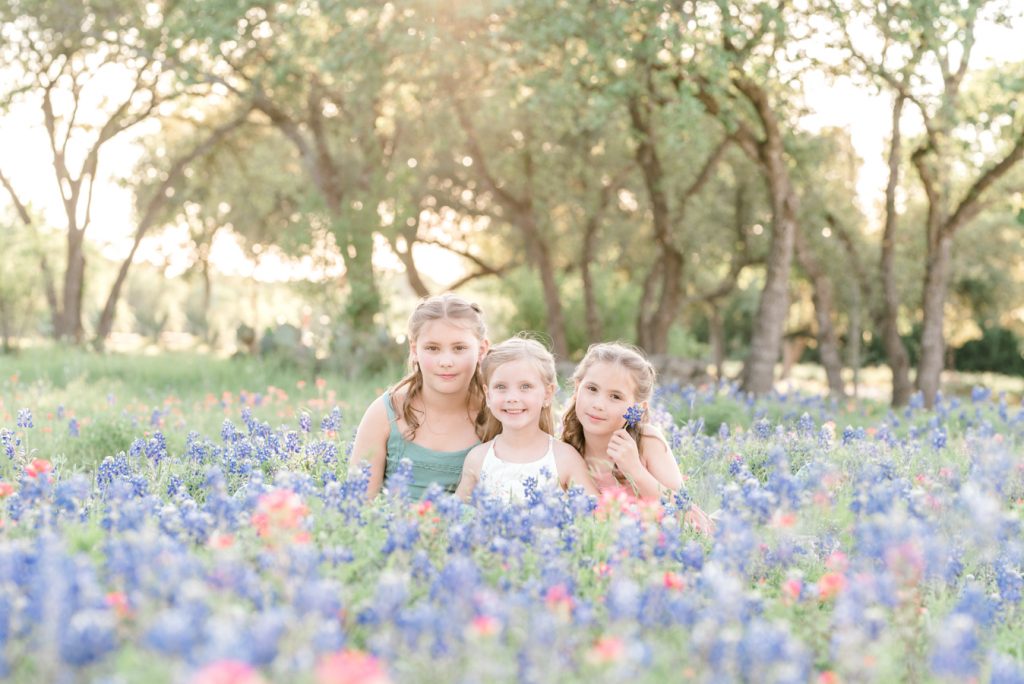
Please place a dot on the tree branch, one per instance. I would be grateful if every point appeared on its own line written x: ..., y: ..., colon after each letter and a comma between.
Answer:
x: 971, y: 203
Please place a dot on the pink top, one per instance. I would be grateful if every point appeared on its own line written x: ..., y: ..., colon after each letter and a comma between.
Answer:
x: 607, y: 481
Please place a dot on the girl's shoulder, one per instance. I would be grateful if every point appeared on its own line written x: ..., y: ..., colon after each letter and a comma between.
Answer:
x: 479, y: 452
x: 652, y: 436
x: 395, y: 399
x: 565, y: 450
x: 648, y: 431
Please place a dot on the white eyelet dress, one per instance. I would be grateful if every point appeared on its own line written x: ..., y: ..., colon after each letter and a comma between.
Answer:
x: 506, y: 481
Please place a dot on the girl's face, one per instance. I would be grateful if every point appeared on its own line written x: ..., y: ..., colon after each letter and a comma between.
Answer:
x: 516, y: 394
x: 604, y: 393
x: 447, y: 354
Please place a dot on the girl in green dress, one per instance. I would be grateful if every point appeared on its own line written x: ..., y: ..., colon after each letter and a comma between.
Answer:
x: 433, y: 416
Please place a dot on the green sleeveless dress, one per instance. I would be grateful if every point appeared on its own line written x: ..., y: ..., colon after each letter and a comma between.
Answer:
x: 428, y: 466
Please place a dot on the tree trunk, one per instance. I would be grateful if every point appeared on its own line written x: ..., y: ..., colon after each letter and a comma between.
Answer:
x: 933, y: 344
x: 363, y: 299
x: 644, y: 316
x: 74, y: 277
x: 716, y: 333
x: 5, y: 329
x: 770, y: 320
x: 658, y: 320
x: 156, y: 203
x: 540, y: 255
x: 824, y: 311
x: 412, y: 273
x: 895, y: 351
x: 853, y: 339
x: 204, y: 273
x: 593, y: 316
x: 769, y: 152
x: 106, y: 322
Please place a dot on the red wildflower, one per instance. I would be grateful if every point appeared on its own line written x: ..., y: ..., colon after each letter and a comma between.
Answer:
x: 673, y: 581
x: 38, y: 466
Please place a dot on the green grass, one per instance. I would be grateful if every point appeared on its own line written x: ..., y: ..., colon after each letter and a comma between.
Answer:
x: 117, y: 398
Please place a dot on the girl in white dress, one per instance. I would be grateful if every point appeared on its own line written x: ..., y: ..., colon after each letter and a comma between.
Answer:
x: 519, y: 380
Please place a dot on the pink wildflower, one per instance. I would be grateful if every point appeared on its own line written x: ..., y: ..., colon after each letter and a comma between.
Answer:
x: 485, y: 625
x: 280, y: 511
x: 673, y: 581
x: 351, y: 667
x: 830, y: 585
x: 607, y: 649
x: 38, y: 466
x: 228, y: 672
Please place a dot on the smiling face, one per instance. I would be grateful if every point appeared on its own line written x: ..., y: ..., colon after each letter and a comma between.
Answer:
x: 447, y: 354
x: 603, y: 395
x: 516, y: 394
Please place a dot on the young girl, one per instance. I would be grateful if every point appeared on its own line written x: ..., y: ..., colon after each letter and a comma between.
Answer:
x: 520, y: 381
x: 611, y: 381
x: 433, y: 415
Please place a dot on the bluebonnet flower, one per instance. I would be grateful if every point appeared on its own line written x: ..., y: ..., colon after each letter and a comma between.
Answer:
x: 955, y: 650
x: 73, y: 427
x: 174, y: 632
x: 1009, y: 580
x: 87, y: 637
x: 250, y: 422
x: 156, y: 448
x: 1005, y: 670
x: 805, y: 426
x: 978, y: 605
x: 305, y: 424
x: 24, y: 418
x: 331, y: 421
x: 634, y: 414
x: 228, y: 433
x: 762, y: 429
x: 10, y: 441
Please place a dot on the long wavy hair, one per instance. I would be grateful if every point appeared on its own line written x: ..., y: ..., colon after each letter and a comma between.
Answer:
x: 443, y: 307
x: 519, y: 349
x: 639, y: 368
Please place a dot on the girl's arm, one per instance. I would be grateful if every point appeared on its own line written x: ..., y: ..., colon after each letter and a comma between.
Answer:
x: 664, y: 467
x: 648, y: 479
x: 661, y: 464
x: 572, y: 470
x: 371, y: 445
x: 471, y: 471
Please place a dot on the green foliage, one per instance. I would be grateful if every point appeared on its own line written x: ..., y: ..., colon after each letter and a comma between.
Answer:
x: 21, y: 285
x: 616, y: 302
x: 147, y: 301
x: 999, y: 350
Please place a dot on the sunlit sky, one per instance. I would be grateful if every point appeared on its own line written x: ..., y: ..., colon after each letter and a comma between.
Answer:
x: 26, y: 160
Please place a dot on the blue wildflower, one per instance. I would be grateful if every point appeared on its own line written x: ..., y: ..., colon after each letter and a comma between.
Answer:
x: 634, y: 414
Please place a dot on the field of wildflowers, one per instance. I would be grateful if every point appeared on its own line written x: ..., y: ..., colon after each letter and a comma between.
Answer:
x: 214, y: 537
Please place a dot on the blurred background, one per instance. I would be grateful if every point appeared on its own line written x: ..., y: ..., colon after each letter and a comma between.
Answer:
x: 737, y: 187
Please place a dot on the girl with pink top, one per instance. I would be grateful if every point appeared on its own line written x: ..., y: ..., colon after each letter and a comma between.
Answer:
x: 611, y: 381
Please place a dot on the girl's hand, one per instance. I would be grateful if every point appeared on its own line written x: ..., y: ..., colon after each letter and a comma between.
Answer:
x: 623, y: 452
x: 700, y: 520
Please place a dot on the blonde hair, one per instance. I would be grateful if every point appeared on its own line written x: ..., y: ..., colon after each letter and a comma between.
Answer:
x: 643, y: 374
x: 443, y: 307
x: 519, y: 349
